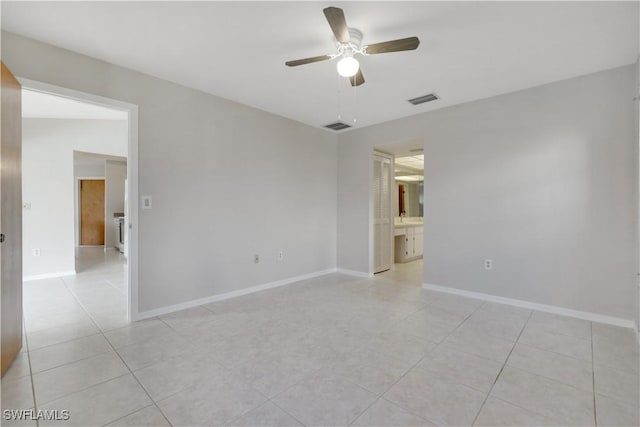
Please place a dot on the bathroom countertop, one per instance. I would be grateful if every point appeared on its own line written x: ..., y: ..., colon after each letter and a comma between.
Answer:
x: 407, y: 224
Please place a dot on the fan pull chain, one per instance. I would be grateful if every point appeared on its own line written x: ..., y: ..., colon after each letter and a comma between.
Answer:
x: 339, y: 93
x: 355, y: 104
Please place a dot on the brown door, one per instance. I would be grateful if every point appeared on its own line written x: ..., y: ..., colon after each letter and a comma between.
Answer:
x: 11, y: 217
x: 92, y: 212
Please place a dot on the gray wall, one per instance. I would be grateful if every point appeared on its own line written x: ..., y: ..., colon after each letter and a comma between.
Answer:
x: 227, y: 180
x: 637, y: 177
x: 541, y: 181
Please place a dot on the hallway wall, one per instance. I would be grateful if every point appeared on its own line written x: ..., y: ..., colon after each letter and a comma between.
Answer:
x: 48, y: 185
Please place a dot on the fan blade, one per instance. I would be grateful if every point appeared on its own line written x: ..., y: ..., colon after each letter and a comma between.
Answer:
x: 358, y: 79
x: 307, y: 60
x: 410, y: 43
x: 335, y: 17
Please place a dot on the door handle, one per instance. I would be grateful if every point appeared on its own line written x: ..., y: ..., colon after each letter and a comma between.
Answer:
x: 1, y: 237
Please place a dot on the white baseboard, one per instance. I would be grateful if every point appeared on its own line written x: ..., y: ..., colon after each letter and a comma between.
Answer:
x: 354, y: 273
x: 233, y: 294
x: 48, y: 275
x: 585, y: 315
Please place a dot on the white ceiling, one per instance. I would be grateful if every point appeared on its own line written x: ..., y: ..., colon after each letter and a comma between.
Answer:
x: 237, y: 50
x: 415, y: 162
x: 409, y: 168
x: 81, y: 158
x: 43, y: 105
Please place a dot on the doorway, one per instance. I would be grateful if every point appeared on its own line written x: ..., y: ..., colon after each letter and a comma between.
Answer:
x: 92, y: 252
x: 406, y: 207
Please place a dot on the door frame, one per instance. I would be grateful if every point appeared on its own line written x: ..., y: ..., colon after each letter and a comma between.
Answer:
x: 78, y: 211
x: 372, y: 241
x: 132, y: 177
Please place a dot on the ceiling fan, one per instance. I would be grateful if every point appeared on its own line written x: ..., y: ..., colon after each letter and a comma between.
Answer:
x: 349, y: 40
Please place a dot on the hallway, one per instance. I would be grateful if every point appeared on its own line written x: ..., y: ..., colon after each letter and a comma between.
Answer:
x: 70, y: 307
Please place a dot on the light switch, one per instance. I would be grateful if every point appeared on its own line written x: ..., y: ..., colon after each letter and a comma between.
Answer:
x: 146, y: 202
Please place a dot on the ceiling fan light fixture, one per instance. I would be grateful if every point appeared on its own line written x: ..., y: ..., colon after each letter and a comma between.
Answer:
x: 348, y: 66
x: 349, y: 43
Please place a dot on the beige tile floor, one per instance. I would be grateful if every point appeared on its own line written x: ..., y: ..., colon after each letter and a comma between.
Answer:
x: 331, y: 351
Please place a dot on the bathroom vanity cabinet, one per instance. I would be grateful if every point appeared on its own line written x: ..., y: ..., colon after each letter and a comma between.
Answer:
x: 408, y: 242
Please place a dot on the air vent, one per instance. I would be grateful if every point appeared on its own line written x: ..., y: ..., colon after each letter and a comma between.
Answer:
x: 337, y: 126
x: 423, y: 99
x: 417, y: 150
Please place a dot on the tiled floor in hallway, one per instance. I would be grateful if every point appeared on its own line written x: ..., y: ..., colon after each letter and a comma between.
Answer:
x: 330, y: 351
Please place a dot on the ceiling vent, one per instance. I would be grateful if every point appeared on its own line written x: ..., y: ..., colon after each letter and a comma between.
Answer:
x: 425, y: 98
x: 337, y: 126
x: 416, y: 150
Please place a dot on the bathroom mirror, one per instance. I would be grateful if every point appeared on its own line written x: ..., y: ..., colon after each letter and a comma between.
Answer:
x: 409, y: 186
x: 409, y: 196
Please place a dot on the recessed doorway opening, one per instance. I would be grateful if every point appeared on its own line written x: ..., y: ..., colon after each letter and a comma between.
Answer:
x: 80, y: 232
x: 401, y: 244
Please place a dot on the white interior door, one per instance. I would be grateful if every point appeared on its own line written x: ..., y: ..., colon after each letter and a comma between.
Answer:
x: 382, y: 226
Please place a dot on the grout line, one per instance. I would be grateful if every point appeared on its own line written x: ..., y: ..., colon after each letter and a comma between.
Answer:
x: 459, y: 324
x: 381, y: 396
x: 559, y: 333
x: 283, y: 410
x: 85, y: 388
x: 140, y: 384
x: 130, y: 413
x: 573, y: 386
x: 365, y: 410
x: 411, y: 411
x: 101, y: 332
x: 414, y: 366
x: 73, y: 361
x: 167, y: 324
x: 85, y: 310
x: 120, y: 291
x: 33, y: 388
x: 501, y: 369
x: 593, y: 378
x: 546, y: 350
x: 93, y: 334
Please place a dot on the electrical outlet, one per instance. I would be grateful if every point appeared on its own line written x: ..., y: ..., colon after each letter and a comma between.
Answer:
x: 36, y: 252
x: 256, y: 259
x: 488, y: 264
x: 280, y: 255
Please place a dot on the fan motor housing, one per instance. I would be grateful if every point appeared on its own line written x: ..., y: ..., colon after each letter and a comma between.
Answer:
x: 355, y: 36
